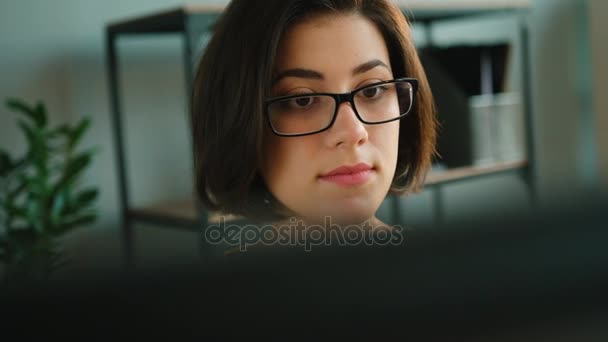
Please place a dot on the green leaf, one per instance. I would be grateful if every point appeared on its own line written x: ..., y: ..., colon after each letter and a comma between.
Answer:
x: 16, y: 192
x: 37, y: 115
x: 18, y: 164
x: 81, y: 201
x: 6, y: 165
x: 75, y: 167
x: 15, y: 212
x: 29, y: 133
x: 78, y: 132
x: 63, y: 129
x: 74, y: 222
x: 38, y: 151
x: 57, y: 207
x: 35, y: 186
x: 34, y: 215
x: 71, y: 172
x: 86, y: 197
x: 41, y: 114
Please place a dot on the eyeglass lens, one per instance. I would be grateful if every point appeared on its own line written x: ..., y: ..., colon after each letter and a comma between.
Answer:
x: 311, y: 113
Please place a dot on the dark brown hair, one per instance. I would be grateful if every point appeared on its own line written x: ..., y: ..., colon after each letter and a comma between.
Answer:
x: 234, y: 77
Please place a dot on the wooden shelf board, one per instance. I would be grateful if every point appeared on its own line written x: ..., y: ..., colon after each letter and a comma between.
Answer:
x: 461, y: 173
x: 183, y: 210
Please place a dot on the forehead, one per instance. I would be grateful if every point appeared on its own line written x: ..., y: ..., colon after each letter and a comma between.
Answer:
x: 331, y: 42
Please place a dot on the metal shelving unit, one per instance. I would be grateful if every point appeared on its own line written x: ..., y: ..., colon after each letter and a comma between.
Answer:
x: 192, y: 24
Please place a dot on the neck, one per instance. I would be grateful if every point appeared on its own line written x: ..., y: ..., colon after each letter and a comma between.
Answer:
x: 371, y: 223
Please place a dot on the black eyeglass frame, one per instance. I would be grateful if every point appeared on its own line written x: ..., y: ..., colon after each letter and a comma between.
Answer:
x: 339, y: 99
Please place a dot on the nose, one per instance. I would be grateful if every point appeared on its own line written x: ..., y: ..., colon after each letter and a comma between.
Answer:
x: 347, y: 130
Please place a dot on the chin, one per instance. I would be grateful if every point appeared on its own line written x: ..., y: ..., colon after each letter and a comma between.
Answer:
x: 354, y: 212
x: 351, y: 217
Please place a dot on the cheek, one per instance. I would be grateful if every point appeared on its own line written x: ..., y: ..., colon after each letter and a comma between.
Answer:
x: 287, y: 163
x: 386, y: 140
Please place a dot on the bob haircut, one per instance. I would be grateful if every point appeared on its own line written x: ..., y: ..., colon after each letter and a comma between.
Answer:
x: 234, y: 77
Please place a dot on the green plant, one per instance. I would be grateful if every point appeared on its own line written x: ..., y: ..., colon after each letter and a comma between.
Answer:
x: 40, y: 195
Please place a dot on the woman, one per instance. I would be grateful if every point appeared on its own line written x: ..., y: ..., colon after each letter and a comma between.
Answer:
x: 309, y: 110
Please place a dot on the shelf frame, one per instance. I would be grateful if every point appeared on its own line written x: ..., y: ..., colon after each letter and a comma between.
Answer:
x: 193, y: 23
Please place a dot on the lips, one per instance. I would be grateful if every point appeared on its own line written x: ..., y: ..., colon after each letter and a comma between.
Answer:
x: 349, y: 175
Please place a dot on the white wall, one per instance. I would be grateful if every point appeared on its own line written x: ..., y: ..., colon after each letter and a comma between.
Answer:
x: 54, y: 51
x: 598, y: 10
x: 562, y: 107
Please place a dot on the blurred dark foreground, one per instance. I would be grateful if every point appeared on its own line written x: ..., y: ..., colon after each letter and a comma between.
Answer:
x: 542, y: 276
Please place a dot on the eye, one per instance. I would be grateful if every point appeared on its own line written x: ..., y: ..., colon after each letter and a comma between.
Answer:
x: 373, y: 92
x: 302, y: 101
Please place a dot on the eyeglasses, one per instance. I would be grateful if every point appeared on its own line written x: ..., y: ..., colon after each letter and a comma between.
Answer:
x: 377, y: 103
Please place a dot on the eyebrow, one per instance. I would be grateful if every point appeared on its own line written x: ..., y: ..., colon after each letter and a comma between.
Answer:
x: 315, y: 75
x: 369, y: 66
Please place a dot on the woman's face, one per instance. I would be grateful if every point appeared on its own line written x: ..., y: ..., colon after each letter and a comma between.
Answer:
x: 339, y: 53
